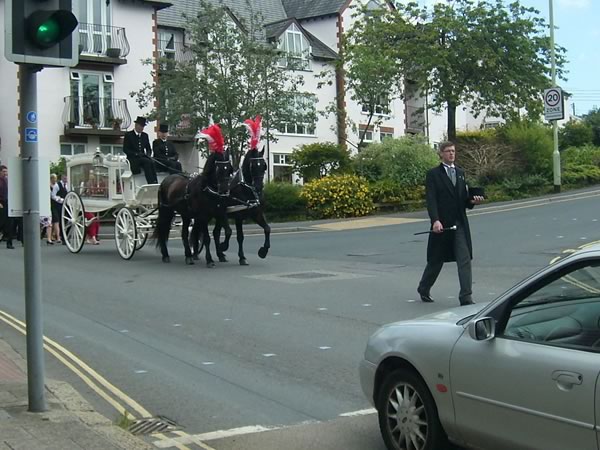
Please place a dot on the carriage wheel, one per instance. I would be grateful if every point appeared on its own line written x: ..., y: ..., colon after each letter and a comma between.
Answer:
x: 125, y: 233
x: 142, y: 225
x: 73, y: 222
x: 141, y: 240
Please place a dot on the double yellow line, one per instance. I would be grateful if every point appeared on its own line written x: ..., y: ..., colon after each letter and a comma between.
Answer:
x: 122, y: 403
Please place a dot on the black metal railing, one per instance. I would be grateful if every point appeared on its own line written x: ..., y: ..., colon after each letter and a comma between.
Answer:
x: 415, y: 119
x: 96, y: 113
x: 102, y: 40
x: 174, y: 50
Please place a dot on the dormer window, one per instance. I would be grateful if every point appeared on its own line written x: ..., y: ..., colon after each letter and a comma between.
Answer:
x: 296, y: 49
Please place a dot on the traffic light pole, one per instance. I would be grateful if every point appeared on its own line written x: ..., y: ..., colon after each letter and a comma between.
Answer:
x: 31, y: 238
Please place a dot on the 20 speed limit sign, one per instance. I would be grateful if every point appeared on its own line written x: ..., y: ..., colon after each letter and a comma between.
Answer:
x: 554, y: 107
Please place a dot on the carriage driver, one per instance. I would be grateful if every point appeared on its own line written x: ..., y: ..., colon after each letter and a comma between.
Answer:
x: 165, y: 155
x: 136, y: 145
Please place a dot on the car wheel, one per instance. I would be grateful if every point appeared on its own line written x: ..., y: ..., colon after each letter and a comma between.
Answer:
x: 408, y: 417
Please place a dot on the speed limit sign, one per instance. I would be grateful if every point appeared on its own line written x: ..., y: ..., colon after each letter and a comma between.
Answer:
x: 554, y: 107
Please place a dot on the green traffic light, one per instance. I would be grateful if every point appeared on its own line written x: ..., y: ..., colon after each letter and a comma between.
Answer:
x: 48, y: 32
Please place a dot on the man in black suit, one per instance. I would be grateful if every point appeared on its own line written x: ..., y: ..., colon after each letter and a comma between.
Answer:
x: 165, y: 155
x: 136, y: 145
x: 448, y: 198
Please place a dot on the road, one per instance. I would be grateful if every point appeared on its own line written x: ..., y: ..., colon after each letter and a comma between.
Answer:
x: 233, y: 350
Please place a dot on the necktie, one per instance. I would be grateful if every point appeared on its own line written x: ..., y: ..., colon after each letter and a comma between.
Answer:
x: 452, y: 172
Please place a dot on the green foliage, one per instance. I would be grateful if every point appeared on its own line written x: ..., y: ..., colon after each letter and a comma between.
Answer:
x: 388, y: 191
x: 575, y: 134
x: 319, y: 160
x: 230, y: 74
x: 534, y: 143
x: 588, y: 154
x: 283, y: 199
x: 59, y: 167
x: 581, y: 174
x: 404, y: 161
x: 338, y: 196
x: 491, y: 55
x: 522, y: 186
x: 593, y: 120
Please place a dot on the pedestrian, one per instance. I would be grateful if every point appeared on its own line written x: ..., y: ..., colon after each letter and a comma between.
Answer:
x: 165, y: 155
x: 63, y: 190
x: 6, y: 223
x: 55, y: 208
x: 136, y: 145
x: 448, y: 198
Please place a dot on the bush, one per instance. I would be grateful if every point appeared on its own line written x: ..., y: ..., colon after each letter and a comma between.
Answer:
x: 575, y: 134
x: 534, y: 143
x: 587, y: 154
x: 404, y: 161
x: 522, y: 186
x: 338, y: 196
x: 319, y: 160
x: 581, y: 174
x: 60, y: 167
x: 283, y: 199
x: 387, y: 191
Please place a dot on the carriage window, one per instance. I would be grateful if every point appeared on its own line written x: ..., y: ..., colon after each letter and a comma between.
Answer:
x: 89, y: 181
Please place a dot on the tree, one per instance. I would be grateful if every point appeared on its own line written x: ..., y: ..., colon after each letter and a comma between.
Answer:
x: 593, y: 120
x: 487, y: 55
x: 320, y: 159
x: 575, y: 134
x: 232, y: 74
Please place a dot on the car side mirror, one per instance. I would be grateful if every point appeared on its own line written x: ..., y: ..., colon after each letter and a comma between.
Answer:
x: 482, y: 329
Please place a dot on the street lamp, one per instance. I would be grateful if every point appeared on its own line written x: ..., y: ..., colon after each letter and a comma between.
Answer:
x: 555, y: 153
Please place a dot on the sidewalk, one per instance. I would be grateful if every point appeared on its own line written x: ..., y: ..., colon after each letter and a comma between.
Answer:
x: 69, y: 424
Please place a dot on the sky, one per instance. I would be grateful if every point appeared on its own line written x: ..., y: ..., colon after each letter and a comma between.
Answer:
x: 577, y: 28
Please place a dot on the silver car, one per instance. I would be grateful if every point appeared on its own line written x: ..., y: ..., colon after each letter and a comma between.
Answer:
x: 518, y: 373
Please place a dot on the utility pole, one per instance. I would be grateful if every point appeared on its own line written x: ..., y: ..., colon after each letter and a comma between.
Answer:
x: 555, y: 154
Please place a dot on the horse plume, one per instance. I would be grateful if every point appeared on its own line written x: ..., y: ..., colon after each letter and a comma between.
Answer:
x: 216, y: 142
x: 254, y: 128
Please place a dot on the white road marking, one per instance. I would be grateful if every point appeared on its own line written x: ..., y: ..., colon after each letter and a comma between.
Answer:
x: 124, y: 331
x: 219, y: 434
x: 227, y: 320
x: 324, y: 348
x: 322, y: 309
x: 208, y: 363
x: 276, y: 314
x: 141, y: 371
x: 269, y: 355
x: 176, y: 324
x: 366, y: 305
x: 68, y: 337
x: 362, y: 412
x: 410, y: 301
x: 559, y: 237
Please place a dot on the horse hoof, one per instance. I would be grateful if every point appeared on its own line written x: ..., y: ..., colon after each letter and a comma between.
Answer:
x: 166, y: 259
x: 189, y: 260
x: 210, y: 265
x: 196, y: 258
x: 262, y: 252
x: 243, y: 262
x: 223, y: 259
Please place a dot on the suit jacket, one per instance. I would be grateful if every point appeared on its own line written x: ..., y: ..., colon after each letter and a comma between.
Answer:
x: 135, y: 147
x: 448, y: 204
x: 164, y: 150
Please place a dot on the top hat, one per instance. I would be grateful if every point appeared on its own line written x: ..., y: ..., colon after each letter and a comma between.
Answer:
x: 141, y: 120
x: 163, y: 128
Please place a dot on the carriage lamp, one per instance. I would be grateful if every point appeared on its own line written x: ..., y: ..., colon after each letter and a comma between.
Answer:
x: 98, y: 159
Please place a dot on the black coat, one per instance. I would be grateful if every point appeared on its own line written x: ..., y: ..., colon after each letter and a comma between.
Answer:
x: 448, y: 204
x: 136, y: 148
x: 164, y: 150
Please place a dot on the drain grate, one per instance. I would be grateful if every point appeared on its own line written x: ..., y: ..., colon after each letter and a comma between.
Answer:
x: 150, y: 425
x: 308, y: 275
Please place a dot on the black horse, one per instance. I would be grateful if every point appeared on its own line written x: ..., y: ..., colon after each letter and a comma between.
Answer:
x: 200, y: 199
x: 246, y: 201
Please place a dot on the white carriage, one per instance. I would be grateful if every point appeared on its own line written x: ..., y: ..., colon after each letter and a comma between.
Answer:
x: 103, y: 186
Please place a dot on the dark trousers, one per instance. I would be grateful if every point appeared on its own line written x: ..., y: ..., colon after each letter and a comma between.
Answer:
x: 6, y: 225
x: 149, y: 171
x: 167, y: 165
x: 463, y: 263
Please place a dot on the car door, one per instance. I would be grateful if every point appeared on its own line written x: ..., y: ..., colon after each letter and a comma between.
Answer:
x: 533, y: 386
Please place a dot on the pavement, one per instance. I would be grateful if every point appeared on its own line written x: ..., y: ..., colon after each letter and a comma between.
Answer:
x: 69, y: 423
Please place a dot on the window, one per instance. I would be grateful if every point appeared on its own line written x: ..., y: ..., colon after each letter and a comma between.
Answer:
x: 382, y: 106
x: 369, y: 135
x: 303, y: 109
x: 166, y: 44
x: 564, y: 312
x: 71, y: 149
x: 112, y: 149
x: 94, y: 27
x: 282, y: 169
x: 386, y: 135
x: 89, y: 181
x: 296, y: 48
x: 91, y: 99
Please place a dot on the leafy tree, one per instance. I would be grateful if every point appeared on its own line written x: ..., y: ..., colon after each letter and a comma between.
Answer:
x: 231, y: 74
x: 487, y: 55
x: 575, y: 134
x: 593, y: 119
x: 59, y: 167
x: 320, y: 159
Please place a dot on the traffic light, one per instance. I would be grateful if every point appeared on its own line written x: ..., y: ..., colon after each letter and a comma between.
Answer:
x: 41, y: 32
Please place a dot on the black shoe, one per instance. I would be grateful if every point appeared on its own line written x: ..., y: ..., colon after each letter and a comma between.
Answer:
x: 467, y: 302
x: 10, y: 246
x: 425, y: 297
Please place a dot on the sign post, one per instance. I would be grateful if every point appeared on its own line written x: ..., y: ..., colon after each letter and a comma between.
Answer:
x: 553, y: 104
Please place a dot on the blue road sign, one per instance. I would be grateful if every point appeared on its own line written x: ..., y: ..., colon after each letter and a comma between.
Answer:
x: 32, y: 117
x: 31, y: 134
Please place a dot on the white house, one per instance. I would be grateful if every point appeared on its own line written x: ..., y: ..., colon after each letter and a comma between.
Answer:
x: 87, y: 106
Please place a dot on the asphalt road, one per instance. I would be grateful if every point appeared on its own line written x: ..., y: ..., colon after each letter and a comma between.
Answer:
x: 274, y: 345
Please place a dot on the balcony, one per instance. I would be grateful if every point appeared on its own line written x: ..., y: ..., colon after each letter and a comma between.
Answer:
x: 101, y: 43
x: 415, y: 119
x: 95, y: 116
x: 175, y: 51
